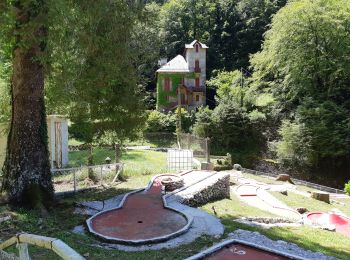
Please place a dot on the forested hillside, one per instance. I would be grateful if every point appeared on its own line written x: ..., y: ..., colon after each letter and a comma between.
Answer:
x: 278, y: 75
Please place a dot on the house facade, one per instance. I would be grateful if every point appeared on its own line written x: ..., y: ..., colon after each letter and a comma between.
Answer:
x: 182, y: 79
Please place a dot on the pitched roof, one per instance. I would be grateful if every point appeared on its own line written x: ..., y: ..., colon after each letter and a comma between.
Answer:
x: 191, y: 45
x: 178, y: 64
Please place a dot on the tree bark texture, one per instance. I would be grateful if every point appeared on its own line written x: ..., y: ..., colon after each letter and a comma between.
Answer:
x: 27, y: 176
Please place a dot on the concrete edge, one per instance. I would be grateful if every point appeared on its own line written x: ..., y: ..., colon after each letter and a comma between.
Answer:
x: 188, y: 218
x: 220, y: 245
x: 258, y: 189
x: 186, y: 187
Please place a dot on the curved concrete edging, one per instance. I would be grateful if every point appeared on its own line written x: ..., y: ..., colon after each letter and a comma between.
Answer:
x: 259, y: 190
x: 188, y: 218
x: 221, y: 245
x: 329, y: 220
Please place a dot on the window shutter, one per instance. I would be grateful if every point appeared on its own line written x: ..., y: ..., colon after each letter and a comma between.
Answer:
x: 197, y: 83
x: 166, y: 84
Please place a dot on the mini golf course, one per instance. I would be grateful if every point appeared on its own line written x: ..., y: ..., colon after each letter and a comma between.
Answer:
x: 142, y: 217
x: 341, y: 223
x: 258, y: 197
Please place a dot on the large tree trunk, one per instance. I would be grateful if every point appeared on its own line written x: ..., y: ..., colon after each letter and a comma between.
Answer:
x: 27, y: 177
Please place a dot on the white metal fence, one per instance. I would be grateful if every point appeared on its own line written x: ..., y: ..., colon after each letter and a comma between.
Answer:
x: 179, y: 160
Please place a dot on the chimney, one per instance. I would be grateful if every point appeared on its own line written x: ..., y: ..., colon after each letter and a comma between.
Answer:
x: 162, y: 61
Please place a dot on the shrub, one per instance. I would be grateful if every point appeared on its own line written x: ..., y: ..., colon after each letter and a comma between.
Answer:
x: 231, y: 131
x: 160, y: 122
x: 347, y: 188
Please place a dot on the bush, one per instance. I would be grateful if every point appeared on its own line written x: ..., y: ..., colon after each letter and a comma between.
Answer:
x: 294, y: 148
x: 161, y: 122
x: 347, y: 188
x: 231, y: 131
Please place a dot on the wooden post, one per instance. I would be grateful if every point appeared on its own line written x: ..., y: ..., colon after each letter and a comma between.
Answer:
x: 117, y: 153
x: 178, y: 130
x: 74, y: 181
x: 188, y: 141
x: 91, y: 173
x: 23, y: 251
x: 207, y: 150
x: 118, y: 168
x: 101, y: 175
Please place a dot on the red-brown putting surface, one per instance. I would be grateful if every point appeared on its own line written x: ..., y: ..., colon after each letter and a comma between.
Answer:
x: 142, y: 216
x: 239, y: 251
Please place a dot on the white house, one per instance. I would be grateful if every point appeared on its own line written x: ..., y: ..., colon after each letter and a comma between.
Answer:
x: 57, y: 128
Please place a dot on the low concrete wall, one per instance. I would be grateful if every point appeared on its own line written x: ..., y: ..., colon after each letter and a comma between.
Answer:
x: 214, y: 188
x: 6, y: 256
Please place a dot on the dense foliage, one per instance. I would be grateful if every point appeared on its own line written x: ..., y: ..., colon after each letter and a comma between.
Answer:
x: 305, y: 64
x: 294, y: 107
x: 158, y: 122
x: 236, y: 125
x: 347, y: 188
x: 93, y: 72
x: 280, y: 72
x: 232, y: 29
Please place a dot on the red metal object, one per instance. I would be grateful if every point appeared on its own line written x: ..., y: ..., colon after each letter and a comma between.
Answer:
x: 341, y: 223
x: 240, y: 251
x: 142, y: 217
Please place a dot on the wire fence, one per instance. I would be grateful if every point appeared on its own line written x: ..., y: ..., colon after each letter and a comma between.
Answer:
x: 72, y: 180
x: 199, y: 145
x: 297, y: 181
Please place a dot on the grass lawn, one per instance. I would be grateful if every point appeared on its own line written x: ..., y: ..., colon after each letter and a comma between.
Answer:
x: 295, y: 200
x: 60, y: 226
x: 329, y: 243
x: 140, y: 167
x: 139, y: 162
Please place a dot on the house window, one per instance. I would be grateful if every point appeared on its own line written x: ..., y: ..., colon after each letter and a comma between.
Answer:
x: 197, y: 98
x: 197, y: 47
x: 197, y: 83
x: 196, y: 66
x: 167, y: 84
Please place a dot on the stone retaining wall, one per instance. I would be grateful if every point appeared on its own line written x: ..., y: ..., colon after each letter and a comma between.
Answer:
x: 214, y: 188
x: 6, y: 256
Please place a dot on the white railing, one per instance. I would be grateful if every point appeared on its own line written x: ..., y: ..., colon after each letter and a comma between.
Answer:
x: 53, y: 244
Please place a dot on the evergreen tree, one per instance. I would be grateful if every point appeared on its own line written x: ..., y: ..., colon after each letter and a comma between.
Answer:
x: 27, y: 176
